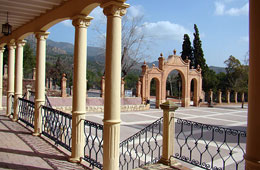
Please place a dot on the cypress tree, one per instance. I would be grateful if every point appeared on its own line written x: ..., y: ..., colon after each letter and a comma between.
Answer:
x: 187, y: 49
x: 198, y: 52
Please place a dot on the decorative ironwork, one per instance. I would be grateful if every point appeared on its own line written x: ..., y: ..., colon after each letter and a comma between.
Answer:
x: 93, y: 150
x: 57, y: 126
x: 12, y: 105
x: 26, y: 112
x: 209, y: 147
x: 32, y: 97
x: 142, y: 148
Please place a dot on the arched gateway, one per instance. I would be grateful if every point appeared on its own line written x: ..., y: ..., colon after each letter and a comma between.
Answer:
x: 161, y: 73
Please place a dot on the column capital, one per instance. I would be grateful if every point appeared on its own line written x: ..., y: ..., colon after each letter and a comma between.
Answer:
x: 20, y: 43
x: 114, y: 8
x: 11, y: 46
x: 41, y: 35
x: 81, y: 21
x: 2, y: 49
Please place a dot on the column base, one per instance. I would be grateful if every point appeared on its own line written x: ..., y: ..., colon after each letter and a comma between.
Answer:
x: 251, y: 164
x: 36, y: 134
x: 74, y: 160
x: 171, y: 162
x: 14, y: 120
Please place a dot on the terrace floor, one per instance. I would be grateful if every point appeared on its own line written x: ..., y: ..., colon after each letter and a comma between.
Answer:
x: 19, y: 149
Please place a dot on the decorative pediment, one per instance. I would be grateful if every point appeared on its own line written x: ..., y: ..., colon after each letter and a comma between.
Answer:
x: 176, y: 60
x: 154, y: 70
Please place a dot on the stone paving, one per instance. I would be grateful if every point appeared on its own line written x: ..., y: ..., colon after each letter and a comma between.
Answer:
x: 19, y: 149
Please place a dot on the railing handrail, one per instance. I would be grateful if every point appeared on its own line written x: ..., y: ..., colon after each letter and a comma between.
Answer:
x: 147, y: 128
x: 213, y: 126
x: 57, y: 111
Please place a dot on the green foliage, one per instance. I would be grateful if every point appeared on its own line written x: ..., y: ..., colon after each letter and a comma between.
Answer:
x: 131, y: 80
x: 210, y: 81
x: 187, y: 49
x: 237, y: 75
x: 29, y: 61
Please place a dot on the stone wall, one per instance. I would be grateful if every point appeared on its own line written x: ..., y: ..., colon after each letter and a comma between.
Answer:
x: 26, y: 82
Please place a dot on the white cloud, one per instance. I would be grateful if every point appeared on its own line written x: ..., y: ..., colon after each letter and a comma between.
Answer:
x: 220, y: 9
x: 67, y: 23
x: 239, y: 11
x: 165, y: 30
x: 135, y: 10
x: 245, y: 39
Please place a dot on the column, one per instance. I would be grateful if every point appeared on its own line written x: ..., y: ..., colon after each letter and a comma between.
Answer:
x: 63, y: 85
x: 40, y: 79
x: 113, y: 10
x: 103, y: 86
x: 5, y: 71
x: 80, y: 22
x: 10, y: 80
x: 122, y: 88
x: 34, y: 74
x: 168, y: 131
x: 219, y: 96
x: 252, y: 155
x: 1, y: 76
x: 18, y: 76
x: 138, y: 88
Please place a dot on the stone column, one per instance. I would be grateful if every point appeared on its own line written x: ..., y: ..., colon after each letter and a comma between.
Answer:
x: 80, y: 22
x: 219, y: 96
x: 47, y: 83
x: 252, y: 155
x: 228, y: 96
x: 5, y: 71
x: 34, y: 74
x: 40, y: 79
x: 63, y: 85
x: 51, y: 81
x: 168, y: 131
x: 1, y: 76
x: 243, y: 97
x: 28, y: 89
x: 10, y: 81
x: 103, y: 86
x: 235, y: 97
x: 18, y: 76
x: 138, y: 88
x: 113, y: 10
x: 122, y: 88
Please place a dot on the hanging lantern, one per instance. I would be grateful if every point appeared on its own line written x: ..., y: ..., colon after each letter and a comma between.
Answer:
x: 6, y: 28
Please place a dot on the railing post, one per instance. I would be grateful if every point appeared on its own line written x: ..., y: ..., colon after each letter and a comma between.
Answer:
x: 168, y: 132
x: 28, y: 89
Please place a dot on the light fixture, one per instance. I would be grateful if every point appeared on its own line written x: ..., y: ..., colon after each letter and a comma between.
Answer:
x: 6, y: 28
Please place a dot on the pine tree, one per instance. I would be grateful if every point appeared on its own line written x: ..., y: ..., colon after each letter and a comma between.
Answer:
x: 187, y: 49
x: 198, y: 52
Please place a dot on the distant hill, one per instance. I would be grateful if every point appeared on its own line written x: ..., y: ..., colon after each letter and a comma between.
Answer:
x: 95, y: 54
x: 218, y: 69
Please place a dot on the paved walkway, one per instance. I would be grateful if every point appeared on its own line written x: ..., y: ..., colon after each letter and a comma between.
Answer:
x: 20, y: 150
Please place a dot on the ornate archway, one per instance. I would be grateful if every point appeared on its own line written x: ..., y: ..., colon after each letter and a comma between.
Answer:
x: 174, y: 62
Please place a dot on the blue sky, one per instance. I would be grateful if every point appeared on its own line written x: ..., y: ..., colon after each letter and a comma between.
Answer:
x: 223, y: 27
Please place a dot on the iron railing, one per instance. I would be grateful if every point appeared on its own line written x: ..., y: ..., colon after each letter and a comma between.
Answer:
x: 57, y: 126
x: 26, y: 112
x: 32, y: 97
x: 12, y: 105
x: 143, y: 148
x: 93, y: 150
x: 208, y: 146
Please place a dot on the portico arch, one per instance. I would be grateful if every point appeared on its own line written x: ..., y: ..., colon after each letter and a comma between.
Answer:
x: 173, y: 62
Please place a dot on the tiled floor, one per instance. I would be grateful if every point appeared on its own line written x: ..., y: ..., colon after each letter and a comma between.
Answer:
x: 19, y: 149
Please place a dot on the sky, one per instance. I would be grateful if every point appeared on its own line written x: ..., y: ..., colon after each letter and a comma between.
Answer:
x: 223, y: 26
